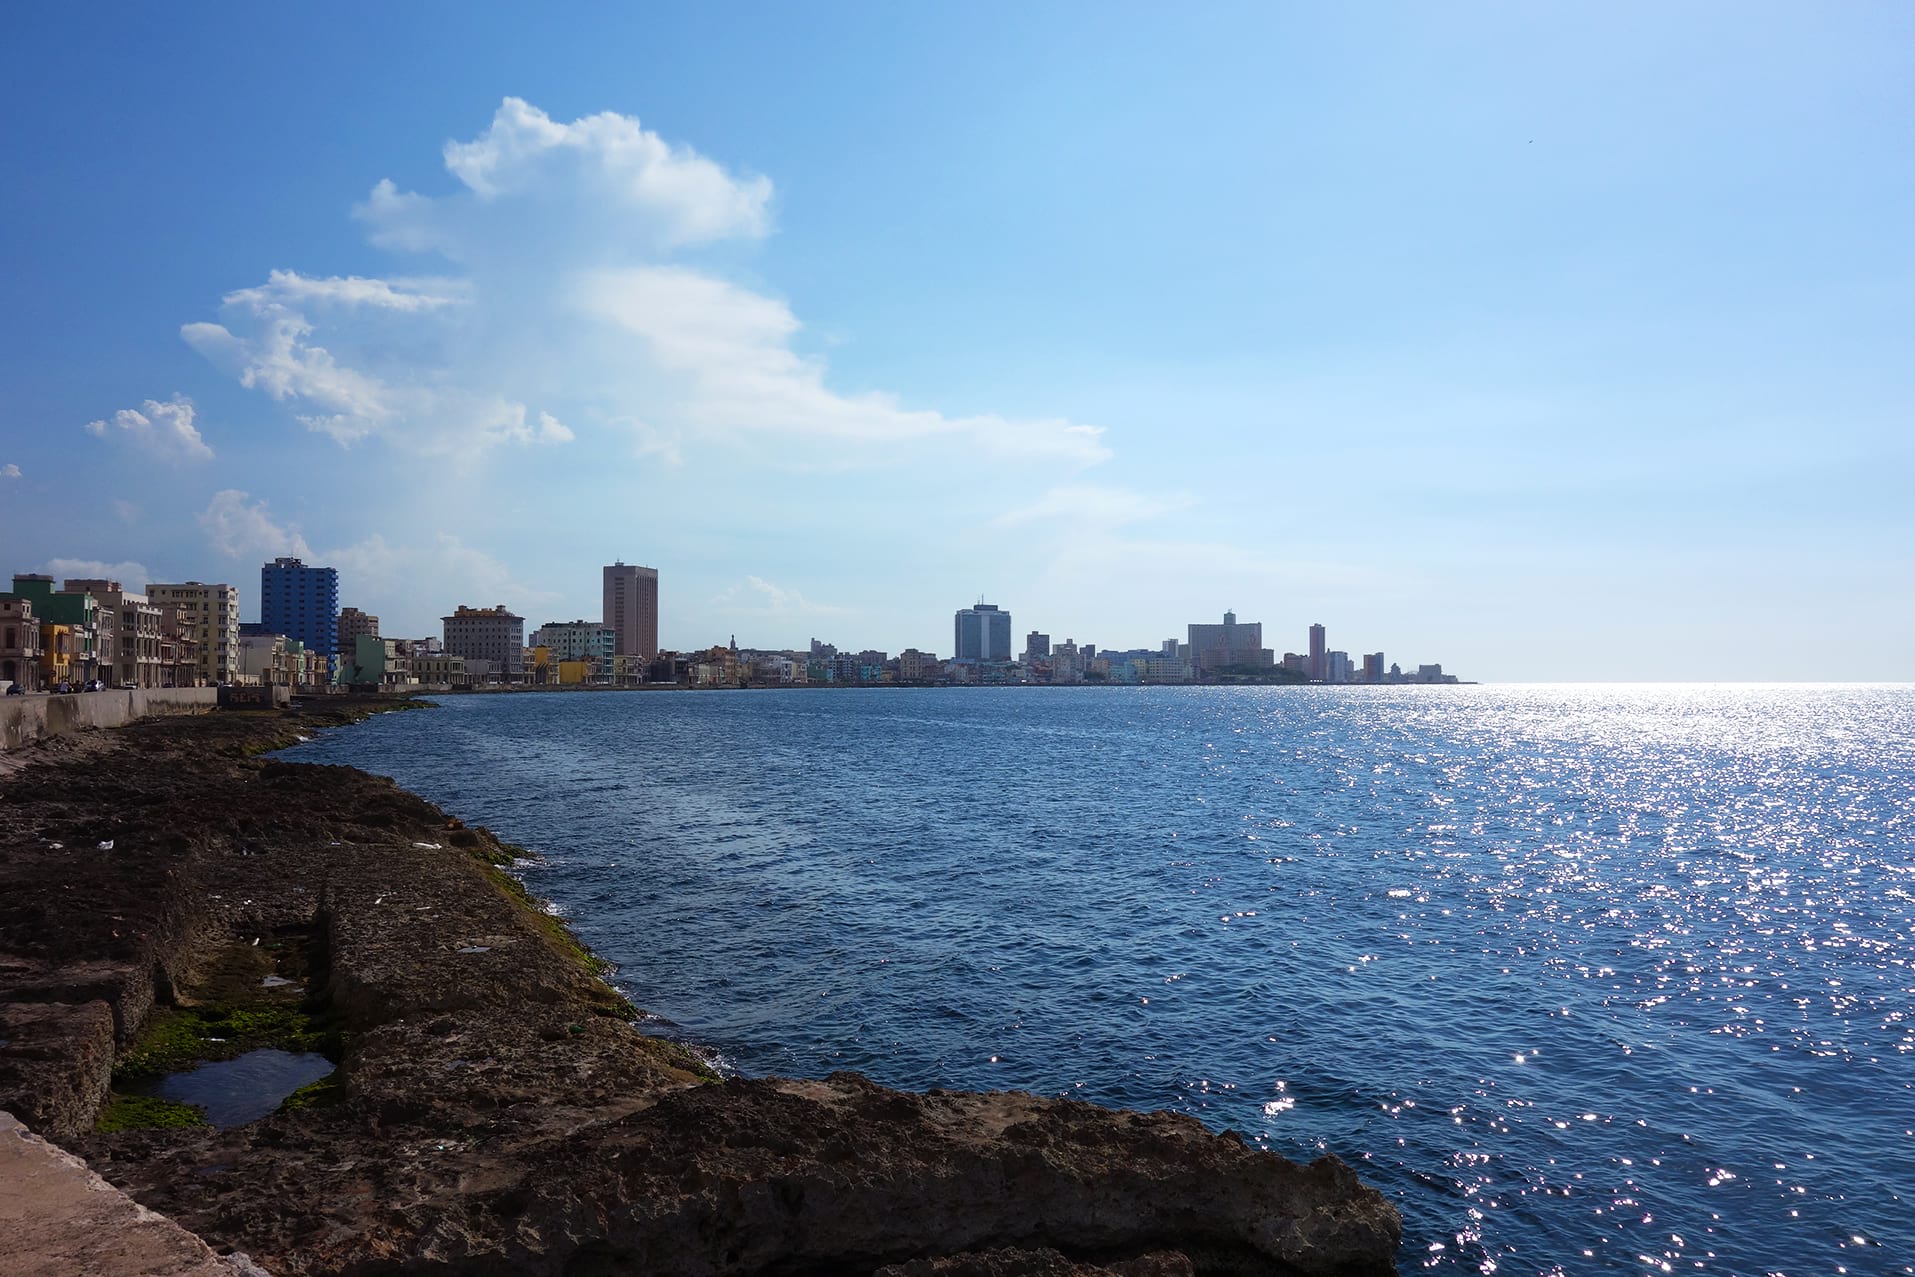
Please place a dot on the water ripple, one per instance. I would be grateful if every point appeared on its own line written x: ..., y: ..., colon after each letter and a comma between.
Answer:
x: 1588, y: 979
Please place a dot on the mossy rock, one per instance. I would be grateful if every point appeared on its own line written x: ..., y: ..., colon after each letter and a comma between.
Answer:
x: 146, y: 1113
x: 327, y: 1090
x: 176, y: 1039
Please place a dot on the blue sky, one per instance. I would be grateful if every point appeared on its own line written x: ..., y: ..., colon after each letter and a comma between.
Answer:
x: 1546, y: 342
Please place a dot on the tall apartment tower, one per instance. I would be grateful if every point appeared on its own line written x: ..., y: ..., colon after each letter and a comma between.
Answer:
x: 208, y: 615
x: 631, y: 609
x: 301, y: 603
x: 1319, y: 667
x: 983, y: 634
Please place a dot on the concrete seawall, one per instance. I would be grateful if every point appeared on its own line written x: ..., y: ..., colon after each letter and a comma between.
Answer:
x: 25, y: 719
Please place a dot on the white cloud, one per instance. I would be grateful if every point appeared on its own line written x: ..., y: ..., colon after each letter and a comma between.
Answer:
x: 755, y: 596
x: 733, y: 349
x: 9, y: 471
x: 289, y: 288
x: 569, y: 313
x: 600, y: 166
x: 131, y: 575
x: 1096, y: 504
x: 163, y: 429
x: 275, y: 357
x: 242, y: 531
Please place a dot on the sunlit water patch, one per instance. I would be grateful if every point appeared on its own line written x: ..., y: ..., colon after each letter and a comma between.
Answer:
x: 1588, y: 979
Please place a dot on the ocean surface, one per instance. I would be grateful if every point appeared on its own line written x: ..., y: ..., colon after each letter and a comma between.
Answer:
x: 1588, y: 979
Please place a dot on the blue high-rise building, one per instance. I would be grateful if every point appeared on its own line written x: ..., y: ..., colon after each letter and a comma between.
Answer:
x: 301, y: 603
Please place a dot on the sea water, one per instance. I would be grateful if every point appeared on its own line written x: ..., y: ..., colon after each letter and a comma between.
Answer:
x: 1587, y: 979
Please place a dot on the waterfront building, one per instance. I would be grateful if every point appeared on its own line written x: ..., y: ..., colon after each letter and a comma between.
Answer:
x: 1036, y: 646
x: 208, y: 615
x: 58, y: 643
x: 1318, y: 668
x: 1295, y: 663
x: 578, y: 641
x: 1337, y: 667
x: 301, y: 603
x: 1231, y: 645
x: 135, y: 622
x: 983, y: 634
x: 917, y: 667
x: 85, y: 648
x: 489, y: 634
x: 1373, y: 668
x: 19, y: 643
x: 382, y: 663
x: 1066, y: 663
x: 351, y: 623
x: 438, y: 669
x: 631, y: 609
x: 1167, y: 669
x: 275, y: 660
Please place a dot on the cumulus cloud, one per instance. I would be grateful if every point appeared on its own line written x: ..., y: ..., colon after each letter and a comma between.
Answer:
x: 163, y: 429
x: 131, y: 575
x: 568, y: 308
x: 243, y: 530
x: 599, y: 169
x: 9, y: 471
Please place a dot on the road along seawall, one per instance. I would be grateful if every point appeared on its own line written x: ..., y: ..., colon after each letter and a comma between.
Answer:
x: 25, y: 719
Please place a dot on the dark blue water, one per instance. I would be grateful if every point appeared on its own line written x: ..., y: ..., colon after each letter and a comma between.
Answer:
x: 243, y: 1089
x: 1587, y: 979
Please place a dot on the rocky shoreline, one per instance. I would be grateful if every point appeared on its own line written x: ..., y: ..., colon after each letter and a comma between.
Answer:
x: 166, y: 891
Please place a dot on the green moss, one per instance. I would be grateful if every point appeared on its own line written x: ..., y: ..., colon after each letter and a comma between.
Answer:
x: 176, y: 1039
x: 147, y: 1112
x: 327, y: 1090
x: 683, y: 1057
x: 555, y: 930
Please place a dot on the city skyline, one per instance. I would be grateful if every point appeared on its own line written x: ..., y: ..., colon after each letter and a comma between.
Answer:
x: 1432, y: 323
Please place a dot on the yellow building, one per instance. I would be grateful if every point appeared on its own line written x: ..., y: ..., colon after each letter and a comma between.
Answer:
x: 56, y: 653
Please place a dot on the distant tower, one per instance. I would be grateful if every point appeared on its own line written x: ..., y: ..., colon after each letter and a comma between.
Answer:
x: 301, y: 603
x: 983, y: 634
x: 631, y: 609
x: 1319, y: 661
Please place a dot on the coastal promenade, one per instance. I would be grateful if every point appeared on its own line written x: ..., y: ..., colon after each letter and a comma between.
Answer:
x: 496, y: 1107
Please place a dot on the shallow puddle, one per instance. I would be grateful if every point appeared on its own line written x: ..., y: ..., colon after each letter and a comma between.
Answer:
x: 234, y: 1092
